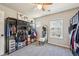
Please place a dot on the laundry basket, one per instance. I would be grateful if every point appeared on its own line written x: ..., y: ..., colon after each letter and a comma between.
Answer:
x: 43, y: 40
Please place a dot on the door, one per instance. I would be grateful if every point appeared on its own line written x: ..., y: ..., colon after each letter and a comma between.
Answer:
x: 2, y: 45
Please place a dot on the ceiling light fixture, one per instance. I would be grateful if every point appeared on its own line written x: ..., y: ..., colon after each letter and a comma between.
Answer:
x: 43, y: 6
x: 39, y: 6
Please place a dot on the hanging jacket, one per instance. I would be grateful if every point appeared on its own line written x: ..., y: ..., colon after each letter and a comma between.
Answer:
x: 77, y: 36
x: 73, y: 39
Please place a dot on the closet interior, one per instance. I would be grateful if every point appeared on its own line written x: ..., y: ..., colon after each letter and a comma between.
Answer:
x: 10, y: 34
x: 16, y: 34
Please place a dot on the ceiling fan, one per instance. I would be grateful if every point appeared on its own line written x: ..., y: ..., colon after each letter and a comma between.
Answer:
x: 43, y: 6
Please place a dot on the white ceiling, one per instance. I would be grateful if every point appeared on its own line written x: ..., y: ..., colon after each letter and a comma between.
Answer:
x: 32, y: 12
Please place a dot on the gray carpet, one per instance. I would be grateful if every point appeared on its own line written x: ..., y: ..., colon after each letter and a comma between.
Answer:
x: 42, y: 50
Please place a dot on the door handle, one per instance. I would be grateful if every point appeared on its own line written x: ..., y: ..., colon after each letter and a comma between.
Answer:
x: 2, y: 34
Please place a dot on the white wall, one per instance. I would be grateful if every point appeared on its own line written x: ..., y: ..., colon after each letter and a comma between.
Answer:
x: 8, y: 12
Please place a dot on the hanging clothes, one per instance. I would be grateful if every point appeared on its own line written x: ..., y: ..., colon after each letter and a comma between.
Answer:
x: 8, y: 30
x: 73, y: 39
x: 77, y: 51
x: 77, y: 36
x: 29, y: 32
x: 70, y: 35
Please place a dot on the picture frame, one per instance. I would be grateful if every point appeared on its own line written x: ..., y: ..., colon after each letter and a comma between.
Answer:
x: 56, y: 29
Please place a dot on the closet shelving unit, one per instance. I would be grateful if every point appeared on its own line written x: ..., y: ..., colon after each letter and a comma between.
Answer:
x: 74, y: 34
x: 12, y: 39
x: 9, y: 35
x: 22, y: 33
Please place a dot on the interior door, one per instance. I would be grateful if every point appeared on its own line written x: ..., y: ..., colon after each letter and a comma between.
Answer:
x: 2, y: 45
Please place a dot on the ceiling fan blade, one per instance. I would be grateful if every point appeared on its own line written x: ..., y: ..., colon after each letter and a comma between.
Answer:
x: 47, y: 3
x: 43, y: 3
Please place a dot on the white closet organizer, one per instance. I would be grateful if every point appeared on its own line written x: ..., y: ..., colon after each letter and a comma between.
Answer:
x: 12, y: 45
x: 15, y: 33
x: 10, y: 34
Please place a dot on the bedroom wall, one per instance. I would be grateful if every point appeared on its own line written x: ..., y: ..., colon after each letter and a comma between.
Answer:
x: 65, y: 16
x: 8, y: 12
